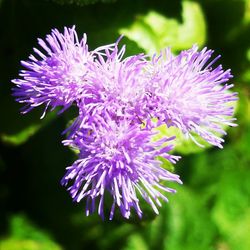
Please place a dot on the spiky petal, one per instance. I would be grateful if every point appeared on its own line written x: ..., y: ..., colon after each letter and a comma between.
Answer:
x: 188, y: 92
x: 119, y: 161
x: 56, y: 76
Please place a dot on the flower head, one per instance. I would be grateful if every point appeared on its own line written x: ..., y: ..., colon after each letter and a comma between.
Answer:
x: 57, y: 76
x: 117, y: 98
x: 185, y: 91
x: 115, y: 87
x: 119, y: 160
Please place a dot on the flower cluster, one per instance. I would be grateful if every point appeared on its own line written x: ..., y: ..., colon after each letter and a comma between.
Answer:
x: 118, y: 98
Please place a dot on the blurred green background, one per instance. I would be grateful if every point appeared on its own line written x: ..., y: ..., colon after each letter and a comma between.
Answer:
x: 211, y: 210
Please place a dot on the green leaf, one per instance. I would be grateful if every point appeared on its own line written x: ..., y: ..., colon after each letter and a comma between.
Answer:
x: 182, y: 144
x: 232, y: 210
x: 245, y: 77
x: 166, y: 164
x: 247, y: 11
x: 22, y: 136
x: 25, y: 236
x: 154, y: 31
x: 136, y: 242
x: 184, y: 221
x: 188, y: 222
x: 193, y: 29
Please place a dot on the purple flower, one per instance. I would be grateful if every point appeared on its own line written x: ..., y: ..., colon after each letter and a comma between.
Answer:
x: 57, y: 76
x: 115, y: 86
x: 187, y: 92
x: 117, y: 157
x: 117, y: 99
x: 119, y: 160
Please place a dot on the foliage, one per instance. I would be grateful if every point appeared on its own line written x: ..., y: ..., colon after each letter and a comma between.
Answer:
x: 168, y: 31
x: 24, y: 236
x: 210, y: 210
x: 82, y: 2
